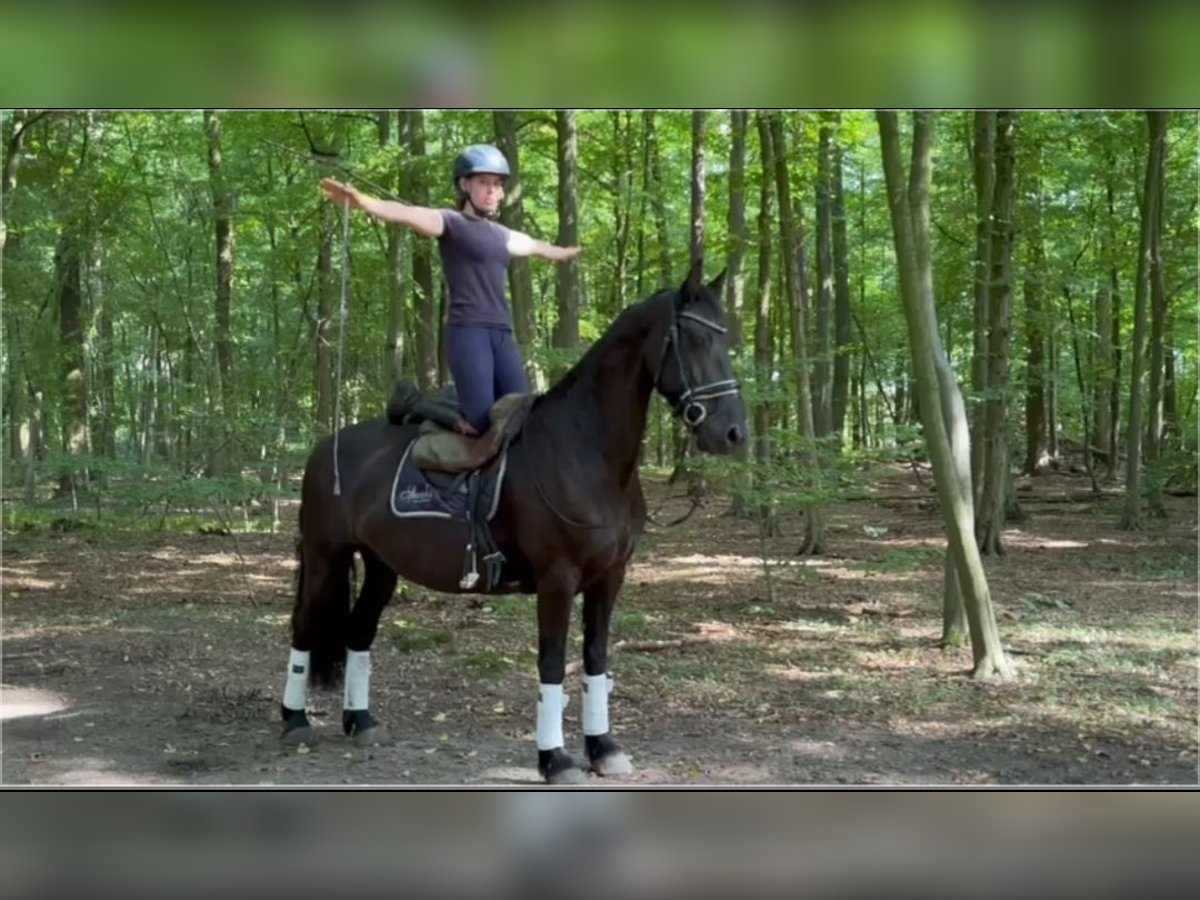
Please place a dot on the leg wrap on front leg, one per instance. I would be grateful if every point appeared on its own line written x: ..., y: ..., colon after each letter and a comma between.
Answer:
x: 596, y: 689
x: 549, y: 716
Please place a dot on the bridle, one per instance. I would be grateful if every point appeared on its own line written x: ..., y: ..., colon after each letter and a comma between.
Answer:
x: 689, y: 405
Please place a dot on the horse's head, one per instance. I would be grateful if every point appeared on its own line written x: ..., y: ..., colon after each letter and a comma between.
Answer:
x: 693, y: 370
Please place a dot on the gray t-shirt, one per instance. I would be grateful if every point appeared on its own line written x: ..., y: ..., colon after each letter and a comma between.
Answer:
x: 475, y: 262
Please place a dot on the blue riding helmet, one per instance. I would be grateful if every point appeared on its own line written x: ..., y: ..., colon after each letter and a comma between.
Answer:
x: 480, y: 159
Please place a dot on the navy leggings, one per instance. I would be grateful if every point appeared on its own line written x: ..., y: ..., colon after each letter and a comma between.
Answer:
x: 486, y: 365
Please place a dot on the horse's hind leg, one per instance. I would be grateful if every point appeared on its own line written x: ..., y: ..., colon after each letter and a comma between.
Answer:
x: 319, y: 621
x: 379, y: 584
x: 605, y: 757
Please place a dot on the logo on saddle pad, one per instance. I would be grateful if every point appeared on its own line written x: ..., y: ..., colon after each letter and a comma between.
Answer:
x: 412, y: 495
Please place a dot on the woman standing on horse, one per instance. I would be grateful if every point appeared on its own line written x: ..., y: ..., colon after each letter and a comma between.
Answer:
x: 475, y: 250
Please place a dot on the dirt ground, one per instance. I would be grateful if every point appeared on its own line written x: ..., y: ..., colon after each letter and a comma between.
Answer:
x: 142, y: 658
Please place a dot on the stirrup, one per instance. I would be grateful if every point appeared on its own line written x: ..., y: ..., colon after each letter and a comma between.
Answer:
x: 471, y: 573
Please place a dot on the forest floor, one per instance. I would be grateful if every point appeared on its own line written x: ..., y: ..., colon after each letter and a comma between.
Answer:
x: 132, y: 657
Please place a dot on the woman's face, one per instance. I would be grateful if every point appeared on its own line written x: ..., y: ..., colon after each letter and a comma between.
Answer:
x: 486, y: 191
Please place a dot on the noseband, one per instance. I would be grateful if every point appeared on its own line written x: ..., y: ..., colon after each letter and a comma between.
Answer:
x: 690, y: 404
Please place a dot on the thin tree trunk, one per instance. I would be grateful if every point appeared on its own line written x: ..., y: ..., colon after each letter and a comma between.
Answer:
x: 768, y: 517
x: 222, y: 200
x: 426, y: 307
x: 735, y: 281
x: 814, y: 519
x: 1075, y: 352
x: 567, y: 282
x: 101, y: 353
x: 393, y: 349
x: 1035, y: 377
x: 520, y: 276
x: 658, y: 202
x: 984, y: 166
x: 990, y: 515
x: 21, y: 424
x: 1158, y: 307
x: 1170, y: 391
x: 67, y: 272
x: 842, y: 335
x: 325, y: 331
x: 942, y: 413
x: 1131, y: 518
x: 823, y: 362
x: 621, y: 198
x: 1114, y: 412
x: 1102, y: 370
x: 697, y: 226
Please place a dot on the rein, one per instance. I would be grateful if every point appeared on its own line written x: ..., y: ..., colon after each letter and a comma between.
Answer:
x: 345, y: 317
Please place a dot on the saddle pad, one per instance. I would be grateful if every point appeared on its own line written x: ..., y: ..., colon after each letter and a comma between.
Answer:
x: 417, y: 493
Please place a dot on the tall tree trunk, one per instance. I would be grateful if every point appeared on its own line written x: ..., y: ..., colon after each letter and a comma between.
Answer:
x: 1114, y: 411
x: 983, y: 152
x: 658, y: 201
x: 768, y: 517
x: 990, y: 515
x: 520, y: 276
x: 622, y: 199
x: 1131, y: 518
x: 699, y: 184
x: 426, y: 306
x: 841, y: 284
x: 393, y: 350
x: 1158, y: 309
x: 739, y: 232
x: 68, y: 268
x: 1102, y: 371
x: 325, y: 331
x: 1170, y: 392
x: 21, y: 423
x: 697, y: 227
x: 1035, y: 375
x: 942, y: 414
x: 792, y: 242
x: 222, y: 205
x: 101, y: 354
x: 735, y: 280
x: 823, y: 362
x: 567, y: 283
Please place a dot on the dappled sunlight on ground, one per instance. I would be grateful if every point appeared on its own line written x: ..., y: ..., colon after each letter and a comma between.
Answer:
x: 174, y: 647
x: 16, y: 703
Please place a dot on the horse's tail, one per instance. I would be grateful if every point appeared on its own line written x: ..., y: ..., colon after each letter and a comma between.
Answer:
x: 321, y: 615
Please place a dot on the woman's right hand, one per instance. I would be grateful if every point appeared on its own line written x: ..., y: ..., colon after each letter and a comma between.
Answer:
x: 342, y: 193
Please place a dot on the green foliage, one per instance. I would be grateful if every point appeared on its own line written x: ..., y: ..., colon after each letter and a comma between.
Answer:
x: 133, y: 191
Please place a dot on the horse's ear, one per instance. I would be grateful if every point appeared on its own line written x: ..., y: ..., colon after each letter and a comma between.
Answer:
x: 717, y: 283
x: 691, y: 287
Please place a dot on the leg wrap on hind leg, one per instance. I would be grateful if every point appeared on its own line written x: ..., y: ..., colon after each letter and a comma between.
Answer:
x: 358, y: 679
x: 295, y: 691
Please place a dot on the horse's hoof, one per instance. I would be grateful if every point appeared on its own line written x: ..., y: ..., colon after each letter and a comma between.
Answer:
x: 606, y: 758
x: 301, y: 734
x: 615, y: 763
x: 573, y: 775
x: 376, y: 734
x: 557, y: 767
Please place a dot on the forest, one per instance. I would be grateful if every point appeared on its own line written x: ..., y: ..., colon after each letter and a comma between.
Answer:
x: 959, y: 546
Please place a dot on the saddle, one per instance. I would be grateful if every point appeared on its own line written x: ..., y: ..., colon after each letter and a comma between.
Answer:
x: 442, y: 444
x: 447, y: 474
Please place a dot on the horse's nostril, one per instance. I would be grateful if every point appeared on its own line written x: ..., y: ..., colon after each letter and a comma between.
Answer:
x: 736, y: 435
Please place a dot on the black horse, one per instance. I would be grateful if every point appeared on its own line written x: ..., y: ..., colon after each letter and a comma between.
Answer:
x: 569, y: 512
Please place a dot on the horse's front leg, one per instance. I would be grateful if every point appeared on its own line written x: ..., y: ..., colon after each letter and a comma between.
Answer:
x: 605, y: 757
x: 555, y: 593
